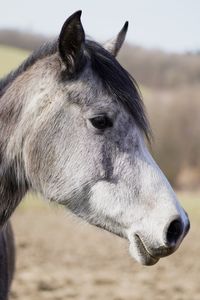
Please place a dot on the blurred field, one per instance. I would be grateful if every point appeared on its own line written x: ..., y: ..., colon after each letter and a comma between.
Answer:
x: 60, y: 258
x: 10, y: 58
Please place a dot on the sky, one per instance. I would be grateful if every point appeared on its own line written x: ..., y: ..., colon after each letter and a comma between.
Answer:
x: 170, y: 25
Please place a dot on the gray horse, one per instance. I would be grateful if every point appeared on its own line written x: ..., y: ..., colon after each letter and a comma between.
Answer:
x: 72, y: 128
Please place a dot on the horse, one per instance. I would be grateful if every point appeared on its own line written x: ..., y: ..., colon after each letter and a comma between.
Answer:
x: 73, y: 128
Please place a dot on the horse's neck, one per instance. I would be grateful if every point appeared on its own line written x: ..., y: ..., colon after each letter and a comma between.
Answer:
x: 12, y: 188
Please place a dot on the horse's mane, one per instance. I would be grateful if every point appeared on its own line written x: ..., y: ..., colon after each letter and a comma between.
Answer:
x: 116, y: 80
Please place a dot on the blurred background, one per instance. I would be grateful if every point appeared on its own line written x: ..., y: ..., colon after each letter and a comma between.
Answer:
x: 59, y: 258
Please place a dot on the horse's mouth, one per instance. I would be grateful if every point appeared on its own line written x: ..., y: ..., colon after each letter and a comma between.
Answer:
x: 139, y: 251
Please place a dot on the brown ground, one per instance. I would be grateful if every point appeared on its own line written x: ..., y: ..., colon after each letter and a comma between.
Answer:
x: 59, y: 258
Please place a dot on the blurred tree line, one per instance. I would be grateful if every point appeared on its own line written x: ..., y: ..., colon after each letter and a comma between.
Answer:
x: 170, y: 85
x: 171, y: 91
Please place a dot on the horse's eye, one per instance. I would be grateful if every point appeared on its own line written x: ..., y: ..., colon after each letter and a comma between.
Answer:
x: 101, y: 122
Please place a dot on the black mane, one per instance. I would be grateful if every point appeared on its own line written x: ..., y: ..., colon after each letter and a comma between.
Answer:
x: 115, y: 78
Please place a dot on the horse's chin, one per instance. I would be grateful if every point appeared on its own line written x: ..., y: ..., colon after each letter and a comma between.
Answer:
x: 139, y: 252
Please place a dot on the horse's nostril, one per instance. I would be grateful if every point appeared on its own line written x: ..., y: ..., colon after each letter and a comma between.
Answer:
x: 174, y: 232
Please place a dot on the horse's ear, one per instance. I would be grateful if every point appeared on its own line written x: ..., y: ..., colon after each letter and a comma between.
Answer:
x: 71, y: 41
x: 113, y: 46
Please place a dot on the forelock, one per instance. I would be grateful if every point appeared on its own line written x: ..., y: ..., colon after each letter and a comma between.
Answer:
x: 118, y: 83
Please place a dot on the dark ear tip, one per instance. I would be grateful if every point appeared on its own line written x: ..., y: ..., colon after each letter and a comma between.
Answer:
x: 125, y: 28
x: 77, y: 14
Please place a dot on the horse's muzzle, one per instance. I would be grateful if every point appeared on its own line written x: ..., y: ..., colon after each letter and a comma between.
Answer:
x: 142, y: 250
